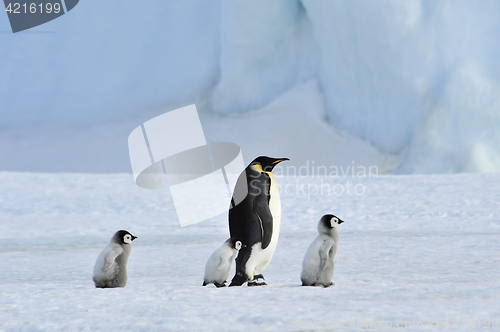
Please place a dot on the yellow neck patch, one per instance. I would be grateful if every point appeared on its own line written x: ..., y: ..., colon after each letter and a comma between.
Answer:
x: 257, y: 168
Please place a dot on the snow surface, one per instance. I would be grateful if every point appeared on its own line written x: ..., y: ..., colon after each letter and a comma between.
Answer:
x: 413, y: 248
x: 418, y: 78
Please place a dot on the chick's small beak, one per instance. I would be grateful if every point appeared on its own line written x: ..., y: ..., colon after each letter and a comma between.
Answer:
x: 340, y: 221
x: 134, y: 237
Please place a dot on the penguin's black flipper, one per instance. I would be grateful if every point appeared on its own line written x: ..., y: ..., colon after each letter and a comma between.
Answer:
x: 261, y: 209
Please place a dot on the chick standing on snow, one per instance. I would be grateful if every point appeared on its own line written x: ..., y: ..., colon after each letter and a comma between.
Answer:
x: 110, y: 269
x: 317, y: 267
x: 219, y: 264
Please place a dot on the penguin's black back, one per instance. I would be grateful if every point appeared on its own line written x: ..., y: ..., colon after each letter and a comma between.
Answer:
x: 244, y: 221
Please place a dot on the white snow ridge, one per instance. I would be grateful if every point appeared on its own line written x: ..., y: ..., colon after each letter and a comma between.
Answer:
x: 418, y: 79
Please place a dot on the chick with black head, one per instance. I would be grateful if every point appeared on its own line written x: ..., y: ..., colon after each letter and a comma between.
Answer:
x: 110, y: 269
x: 318, y: 264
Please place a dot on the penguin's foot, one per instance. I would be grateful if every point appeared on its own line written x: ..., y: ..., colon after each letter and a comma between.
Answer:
x: 258, y: 276
x: 238, y: 280
x: 255, y: 283
x: 331, y: 284
x: 219, y: 285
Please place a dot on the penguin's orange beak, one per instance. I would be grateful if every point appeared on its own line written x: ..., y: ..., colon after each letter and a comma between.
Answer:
x: 279, y: 160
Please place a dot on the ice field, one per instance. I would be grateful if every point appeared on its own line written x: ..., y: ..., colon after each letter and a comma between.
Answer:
x: 419, y: 248
x: 418, y: 77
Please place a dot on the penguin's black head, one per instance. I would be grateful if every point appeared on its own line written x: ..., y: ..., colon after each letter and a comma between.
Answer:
x: 123, y: 237
x: 330, y: 221
x: 266, y: 163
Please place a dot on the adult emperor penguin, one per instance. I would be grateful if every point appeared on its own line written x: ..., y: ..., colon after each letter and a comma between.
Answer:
x: 219, y: 264
x: 254, y: 219
x: 317, y: 267
x: 110, y: 269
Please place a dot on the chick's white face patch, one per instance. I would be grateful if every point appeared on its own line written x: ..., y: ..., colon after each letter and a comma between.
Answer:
x: 127, y: 239
x: 334, y: 222
x: 237, y: 245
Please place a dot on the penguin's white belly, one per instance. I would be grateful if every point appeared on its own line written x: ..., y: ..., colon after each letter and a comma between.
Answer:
x: 260, y: 258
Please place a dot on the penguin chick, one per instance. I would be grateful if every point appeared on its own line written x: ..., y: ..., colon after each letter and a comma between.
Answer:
x: 219, y: 264
x: 317, y: 267
x: 110, y: 269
